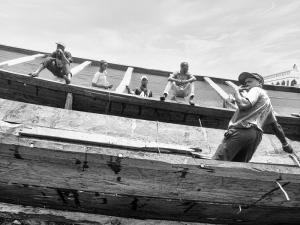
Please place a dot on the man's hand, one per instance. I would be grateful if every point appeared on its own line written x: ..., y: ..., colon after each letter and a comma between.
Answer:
x: 184, y: 81
x: 34, y: 74
x: 287, y: 148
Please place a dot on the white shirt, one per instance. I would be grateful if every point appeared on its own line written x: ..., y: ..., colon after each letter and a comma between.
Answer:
x: 100, y: 78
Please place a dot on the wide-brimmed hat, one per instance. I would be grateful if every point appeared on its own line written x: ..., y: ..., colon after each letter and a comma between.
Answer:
x: 243, y: 76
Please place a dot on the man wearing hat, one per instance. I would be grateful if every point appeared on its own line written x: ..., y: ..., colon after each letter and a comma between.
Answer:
x: 246, y: 126
x: 58, y: 63
x: 142, y: 90
x: 180, y: 84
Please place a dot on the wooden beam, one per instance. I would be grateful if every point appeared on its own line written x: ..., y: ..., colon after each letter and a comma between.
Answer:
x: 74, y: 71
x: 80, y: 67
x: 217, y: 88
x: 147, y: 131
x: 220, y: 91
x: 41, y: 173
x: 44, y: 215
x: 103, y: 140
x: 21, y: 60
x: 126, y: 80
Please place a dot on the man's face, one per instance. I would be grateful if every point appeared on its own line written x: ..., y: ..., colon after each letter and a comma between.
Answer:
x: 184, y: 68
x: 252, y: 82
x: 103, y: 66
x: 144, y: 82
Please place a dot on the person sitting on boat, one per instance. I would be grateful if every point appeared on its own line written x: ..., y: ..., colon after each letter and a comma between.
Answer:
x: 181, y: 84
x: 100, y: 78
x: 58, y: 63
x: 246, y: 126
x: 142, y: 90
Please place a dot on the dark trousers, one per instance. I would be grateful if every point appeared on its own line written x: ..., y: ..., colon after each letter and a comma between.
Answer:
x: 239, y: 144
x: 50, y: 64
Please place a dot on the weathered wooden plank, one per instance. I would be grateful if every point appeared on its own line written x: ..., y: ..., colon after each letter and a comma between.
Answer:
x: 103, y: 140
x: 213, y: 186
x: 80, y: 67
x: 126, y: 80
x: 27, y: 214
x: 74, y: 71
x: 21, y: 60
x: 221, y: 92
x: 141, y: 207
x: 206, y: 139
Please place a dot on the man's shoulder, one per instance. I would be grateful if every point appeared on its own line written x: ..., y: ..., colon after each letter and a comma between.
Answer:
x: 68, y: 53
x: 258, y: 90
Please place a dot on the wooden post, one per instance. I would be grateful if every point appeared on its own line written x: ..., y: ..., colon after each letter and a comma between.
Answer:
x: 126, y: 80
x: 20, y: 60
x: 221, y: 92
x: 74, y: 71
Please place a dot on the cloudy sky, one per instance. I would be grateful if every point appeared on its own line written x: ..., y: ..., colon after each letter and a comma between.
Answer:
x: 218, y: 37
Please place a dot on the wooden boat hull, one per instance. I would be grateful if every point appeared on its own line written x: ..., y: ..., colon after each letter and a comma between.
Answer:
x: 98, y: 180
x: 106, y: 179
x: 50, y: 93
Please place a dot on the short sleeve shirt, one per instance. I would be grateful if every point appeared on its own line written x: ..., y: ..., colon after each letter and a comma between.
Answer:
x: 181, y: 76
x: 260, y: 113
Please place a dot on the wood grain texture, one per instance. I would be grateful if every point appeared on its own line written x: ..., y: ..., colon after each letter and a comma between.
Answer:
x: 30, y: 215
x: 206, y: 139
x: 69, y: 176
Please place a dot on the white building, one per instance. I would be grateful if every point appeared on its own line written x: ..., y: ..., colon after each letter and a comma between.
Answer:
x: 286, y: 78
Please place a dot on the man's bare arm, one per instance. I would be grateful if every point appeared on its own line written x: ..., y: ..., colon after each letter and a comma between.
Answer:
x: 278, y: 131
x: 171, y: 78
x: 241, y: 102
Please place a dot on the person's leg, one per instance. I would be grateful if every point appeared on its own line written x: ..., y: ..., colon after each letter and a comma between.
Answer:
x: 254, y: 139
x: 67, y: 75
x: 232, y: 143
x: 189, y: 91
x: 45, y: 64
x: 167, y: 90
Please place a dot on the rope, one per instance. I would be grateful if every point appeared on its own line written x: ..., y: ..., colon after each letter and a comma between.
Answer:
x: 157, y: 137
x: 205, y: 134
x: 284, y: 192
x: 108, y: 104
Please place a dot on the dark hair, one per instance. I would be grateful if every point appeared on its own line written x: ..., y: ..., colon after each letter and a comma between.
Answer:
x: 184, y: 63
x: 102, y: 62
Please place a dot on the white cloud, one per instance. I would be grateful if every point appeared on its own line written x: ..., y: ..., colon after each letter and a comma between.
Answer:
x: 218, y: 37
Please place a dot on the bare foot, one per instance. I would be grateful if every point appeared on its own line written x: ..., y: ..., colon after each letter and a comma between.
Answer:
x: 33, y: 74
x: 67, y: 79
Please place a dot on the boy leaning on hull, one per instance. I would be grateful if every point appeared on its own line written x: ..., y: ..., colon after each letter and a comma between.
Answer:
x: 181, y: 84
x: 100, y: 77
x: 143, y: 90
x: 58, y: 63
x: 245, y: 128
